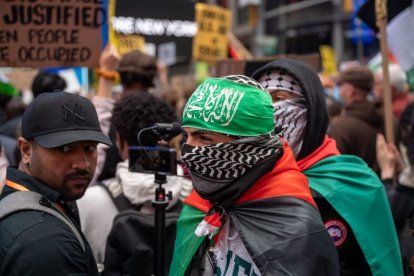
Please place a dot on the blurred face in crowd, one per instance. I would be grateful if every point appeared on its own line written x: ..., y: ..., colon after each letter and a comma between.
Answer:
x: 198, y: 137
x: 378, y: 86
x: 67, y: 169
x: 345, y: 91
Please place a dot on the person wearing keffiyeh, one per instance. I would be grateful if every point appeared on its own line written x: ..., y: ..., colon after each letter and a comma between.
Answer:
x: 350, y: 197
x: 251, y: 211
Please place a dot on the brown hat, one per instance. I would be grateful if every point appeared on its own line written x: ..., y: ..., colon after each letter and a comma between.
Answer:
x: 138, y: 62
x: 359, y: 76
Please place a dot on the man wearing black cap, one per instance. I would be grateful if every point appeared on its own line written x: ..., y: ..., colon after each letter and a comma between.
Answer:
x: 60, y: 132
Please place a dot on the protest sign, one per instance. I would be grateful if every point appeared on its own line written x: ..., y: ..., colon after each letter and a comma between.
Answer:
x: 39, y: 33
x: 211, y: 42
x: 127, y: 43
x: 158, y: 22
x: 123, y: 42
x: 328, y: 60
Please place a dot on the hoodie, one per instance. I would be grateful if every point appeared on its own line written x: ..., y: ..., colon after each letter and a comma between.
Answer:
x: 364, y: 234
x: 317, y: 115
x: 97, y: 210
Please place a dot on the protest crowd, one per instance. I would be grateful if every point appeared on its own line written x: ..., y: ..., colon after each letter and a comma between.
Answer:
x: 278, y: 170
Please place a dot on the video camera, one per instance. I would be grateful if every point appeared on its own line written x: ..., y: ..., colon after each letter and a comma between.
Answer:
x: 154, y: 158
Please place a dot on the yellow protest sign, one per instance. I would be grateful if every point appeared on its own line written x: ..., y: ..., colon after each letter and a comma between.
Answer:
x: 210, y: 42
x: 328, y: 60
x: 127, y: 43
x: 124, y: 43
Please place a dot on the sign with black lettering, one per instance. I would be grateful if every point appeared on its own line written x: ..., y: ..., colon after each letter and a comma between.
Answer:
x: 158, y: 22
x: 59, y: 33
x: 210, y: 42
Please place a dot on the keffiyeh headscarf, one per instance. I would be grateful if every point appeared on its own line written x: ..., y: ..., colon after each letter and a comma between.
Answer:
x: 276, y: 80
x: 290, y: 114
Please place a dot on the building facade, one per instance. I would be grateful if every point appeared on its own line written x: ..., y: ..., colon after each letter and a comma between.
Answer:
x: 271, y: 27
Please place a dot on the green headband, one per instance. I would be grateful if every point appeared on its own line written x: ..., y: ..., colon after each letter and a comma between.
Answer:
x: 7, y: 89
x: 229, y: 107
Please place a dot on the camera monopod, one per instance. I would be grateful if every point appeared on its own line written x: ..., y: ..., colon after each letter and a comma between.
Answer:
x: 160, y: 204
x: 164, y: 131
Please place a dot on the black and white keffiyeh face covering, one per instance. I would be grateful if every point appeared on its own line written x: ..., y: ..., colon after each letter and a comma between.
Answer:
x: 290, y: 121
x: 290, y: 114
x: 213, y: 167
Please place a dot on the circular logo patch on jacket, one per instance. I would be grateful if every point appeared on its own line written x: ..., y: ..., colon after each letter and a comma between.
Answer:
x: 337, y: 231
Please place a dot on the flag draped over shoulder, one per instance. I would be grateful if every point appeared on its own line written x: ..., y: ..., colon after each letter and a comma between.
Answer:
x: 189, y: 243
x: 278, y: 201
x: 400, y: 38
x: 344, y: 180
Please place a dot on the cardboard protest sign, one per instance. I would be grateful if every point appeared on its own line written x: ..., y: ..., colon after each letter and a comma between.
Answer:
x: 60, y: 33
x: 210, y: 42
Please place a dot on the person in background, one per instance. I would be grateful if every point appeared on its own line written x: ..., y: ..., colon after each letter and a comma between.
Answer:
x: 42, y: 82
x: 58, y: 162
x: 131, y: 114
x: 251, y: 210
x: 397, y: 174
x: 181, y: 88
x: 14, y: 108
x: 103, y: 101
x: 9, y: 156
x: 339, y: 183
x: 332, y: 97
x: 400, y: 95
x: 7, y: 92
x: 9, y: 152
x: 47, y: 82
x: 137, y: 71
x: 355, y: 131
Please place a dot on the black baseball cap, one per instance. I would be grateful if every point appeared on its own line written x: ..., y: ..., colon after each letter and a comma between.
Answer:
x: 58, y: 118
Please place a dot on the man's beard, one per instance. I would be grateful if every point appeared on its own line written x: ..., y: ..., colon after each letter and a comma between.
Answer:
x: 68, y: 189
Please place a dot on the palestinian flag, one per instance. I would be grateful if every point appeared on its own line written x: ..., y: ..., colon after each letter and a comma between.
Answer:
x: 345, y: 179
x: 400, y: 36
x: 277, y: 220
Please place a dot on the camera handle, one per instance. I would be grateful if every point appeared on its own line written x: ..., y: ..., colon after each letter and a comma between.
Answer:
x: 160, y: 204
